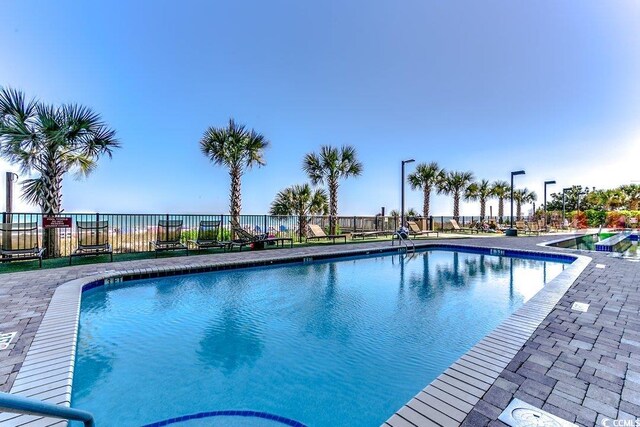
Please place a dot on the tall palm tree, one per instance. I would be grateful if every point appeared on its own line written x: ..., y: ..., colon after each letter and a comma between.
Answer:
x: 455, y: 183
x: 523, y: 196
x: 238, y: 149
x: 328, y: 167
x: 481, y: 191
x: 501, y: 190
x: 302, y: 201
x: 426, y: 177
x: 51, y: 141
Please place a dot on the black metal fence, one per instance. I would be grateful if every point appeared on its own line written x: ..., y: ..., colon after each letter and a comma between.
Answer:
x: 132, y: 233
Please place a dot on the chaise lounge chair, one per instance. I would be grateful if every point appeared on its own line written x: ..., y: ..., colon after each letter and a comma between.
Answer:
x: 456, y: 227
x: 208, y: 232
x: 245, y: 238
x: 93, y: 239
x: 315, y: 232
x: 415, y: 231
x: 20, y: 242
x: 169, y: 236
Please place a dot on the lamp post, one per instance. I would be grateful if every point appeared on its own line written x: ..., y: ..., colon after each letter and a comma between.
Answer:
x: 512, y: 231
x: 545, y: 199
x: 564, y: 203
x: 402, y: 192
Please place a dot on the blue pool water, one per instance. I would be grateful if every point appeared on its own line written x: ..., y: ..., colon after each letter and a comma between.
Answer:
x: 339, y: 342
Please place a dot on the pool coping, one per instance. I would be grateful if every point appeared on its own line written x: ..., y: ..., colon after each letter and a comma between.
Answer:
x: 47, y: 371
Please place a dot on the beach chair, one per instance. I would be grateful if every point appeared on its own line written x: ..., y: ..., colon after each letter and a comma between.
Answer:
x: 533, y: 227
x: 415, y: 231
x: 93, y: 239
x: 255, y: 241
x: 521, y: 226
x: 20, y: 242
x: 315, y: 232
x: 207, y: 238
x: 457, y: 228
x: 169, y: 236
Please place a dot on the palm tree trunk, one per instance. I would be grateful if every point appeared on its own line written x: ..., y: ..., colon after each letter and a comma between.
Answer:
x: 518, y: 209
x: 333, y: 205
x: 500, y: 208
x: 456, y: 205
x: 51, y: 205
x: 425, y: 202
x: 235, y: 203
x: 483, y: 208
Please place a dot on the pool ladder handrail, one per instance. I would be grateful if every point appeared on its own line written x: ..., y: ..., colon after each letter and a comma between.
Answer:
x: 404, y: 241
x: 27, y: 406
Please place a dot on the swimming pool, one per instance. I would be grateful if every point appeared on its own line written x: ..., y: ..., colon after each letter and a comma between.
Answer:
x: 627, y: 248
x: 335, y: 342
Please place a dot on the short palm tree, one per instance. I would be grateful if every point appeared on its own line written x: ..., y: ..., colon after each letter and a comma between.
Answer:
x: 302, y: 201
x: 238, y: 149
x: 455, y: 184
x: 501, y: 190
x: 51, y: 141
x: 329, y: 166
x: 426, y: 177
x: 481, y: 191
x: 523, y: 196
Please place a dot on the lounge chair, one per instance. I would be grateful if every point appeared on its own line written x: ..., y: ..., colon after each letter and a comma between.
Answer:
x: 365, y: 234
x: 521, y: 226
x: 208, y: 232
x: 257, y: 241
x: 533, y: 227
x: 315, y: 232
x: 456, y: 227
x: 169, y: 236
x: 93, y: 239
x: 415, y: 231
x: 20, y: 242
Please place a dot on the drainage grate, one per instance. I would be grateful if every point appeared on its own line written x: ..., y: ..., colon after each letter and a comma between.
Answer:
x: 5, y: 339
x: 521, y: 414
x: 580, y: 306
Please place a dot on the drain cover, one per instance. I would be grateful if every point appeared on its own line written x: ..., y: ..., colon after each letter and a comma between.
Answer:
x: 5, y: 339
x: 580, y: 306
x: 600, y: 266
x: 521, y: 414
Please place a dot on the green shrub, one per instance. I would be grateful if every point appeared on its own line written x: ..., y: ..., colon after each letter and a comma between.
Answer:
x: 595, y: 218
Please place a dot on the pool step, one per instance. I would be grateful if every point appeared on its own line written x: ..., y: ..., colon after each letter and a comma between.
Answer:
x: 618, y: 243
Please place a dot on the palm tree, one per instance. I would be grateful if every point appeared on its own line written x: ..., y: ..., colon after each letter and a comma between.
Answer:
x: 302, y: 201
x: 426, y: 177
x: 237, y: 148
x: 328, y: 167
x: 501, y: 190
x: 51, y: 141
x: 454, y: 183
x: 632, y: 196
x: 523, y: 196
x: 480, y: 191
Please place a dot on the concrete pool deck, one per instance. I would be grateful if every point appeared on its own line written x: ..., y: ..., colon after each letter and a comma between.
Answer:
x: 582, y: 367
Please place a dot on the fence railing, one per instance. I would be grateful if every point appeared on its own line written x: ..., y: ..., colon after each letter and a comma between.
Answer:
x: 132, y: 233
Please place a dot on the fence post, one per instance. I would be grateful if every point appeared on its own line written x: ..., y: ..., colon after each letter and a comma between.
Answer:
x: 430, y: 222
x: 265, y: 225
x: 354, y: 224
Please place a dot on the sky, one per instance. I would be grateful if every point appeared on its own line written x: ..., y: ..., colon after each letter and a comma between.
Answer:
x: 491, y: 87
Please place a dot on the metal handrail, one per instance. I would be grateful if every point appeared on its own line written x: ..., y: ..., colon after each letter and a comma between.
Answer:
x: 23, y: 405
x: 404, y: 241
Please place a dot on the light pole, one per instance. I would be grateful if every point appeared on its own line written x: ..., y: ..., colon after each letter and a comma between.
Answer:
x: 545, y: 199
x: 512, y: 231
x: 564, y: 203
x: 402, y: 192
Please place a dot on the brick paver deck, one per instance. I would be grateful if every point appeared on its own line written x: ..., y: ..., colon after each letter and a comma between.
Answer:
x: 582, y: 367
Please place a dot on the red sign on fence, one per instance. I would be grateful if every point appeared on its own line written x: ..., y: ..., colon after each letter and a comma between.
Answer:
x: 56, y: 222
